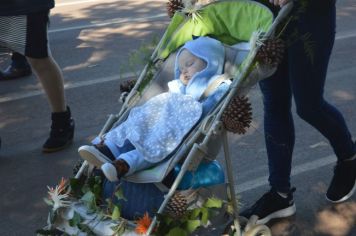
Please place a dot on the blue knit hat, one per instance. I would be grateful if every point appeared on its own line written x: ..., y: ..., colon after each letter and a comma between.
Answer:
x: 213, y: 53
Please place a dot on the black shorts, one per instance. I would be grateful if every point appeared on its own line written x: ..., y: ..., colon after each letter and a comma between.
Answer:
x: 25, y: 34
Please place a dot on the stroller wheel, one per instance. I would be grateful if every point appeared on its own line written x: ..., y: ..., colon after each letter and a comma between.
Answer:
x: 230, y: 228
x: 258, y: 230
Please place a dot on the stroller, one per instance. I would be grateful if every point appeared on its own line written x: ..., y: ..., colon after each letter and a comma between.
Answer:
x: 197, y: 183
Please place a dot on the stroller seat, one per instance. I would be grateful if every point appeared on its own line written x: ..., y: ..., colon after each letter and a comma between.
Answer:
x: 236, y: 24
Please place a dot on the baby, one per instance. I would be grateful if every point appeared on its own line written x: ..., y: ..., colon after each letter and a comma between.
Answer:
x: 154, y: 130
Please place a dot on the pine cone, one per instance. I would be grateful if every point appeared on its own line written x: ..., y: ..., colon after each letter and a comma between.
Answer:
x: 77, y: 166
x: 271, y: 52
x: 173, y: 6
x: 237, y: 116
x: 127, y: 85
x: 177, y: 205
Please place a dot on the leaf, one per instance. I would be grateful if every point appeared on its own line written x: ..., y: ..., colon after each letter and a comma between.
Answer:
x: 109, y: 205
x: 45, y: 232
x: 213, y: 203
x: 88, y: 197
x: 195, y: 213
x: 205, y: 216
x: 116, y: 213
x: 86, y: 229
x: 76, y: 186
x: 191, y: 225
x: 85, y: 189
x: 120, y: 195
x: 119, y: 229
x: 89, y: 200
x: 168, y: 220
x: 177, y: 232
x: 229, y: 208
x: 76, y: 220
x: 97, y: 190
x: 48, y: 202
x: 98, y: 180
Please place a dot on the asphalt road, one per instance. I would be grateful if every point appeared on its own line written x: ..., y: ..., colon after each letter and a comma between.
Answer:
x: 91, y: 40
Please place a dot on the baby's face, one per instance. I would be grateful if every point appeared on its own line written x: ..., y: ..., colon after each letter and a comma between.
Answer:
x: 189, y: 65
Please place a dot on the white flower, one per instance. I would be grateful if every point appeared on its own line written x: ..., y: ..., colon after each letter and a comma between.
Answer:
x: 57, y: 197
x: 192, y: 10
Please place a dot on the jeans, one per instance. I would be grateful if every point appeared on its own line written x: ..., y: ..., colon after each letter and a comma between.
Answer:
x: 302, y: 75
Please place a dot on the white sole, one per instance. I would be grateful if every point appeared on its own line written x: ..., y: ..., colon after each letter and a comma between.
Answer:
x: 93, y: 156
x: 346, y: 197
x: 278, y: 214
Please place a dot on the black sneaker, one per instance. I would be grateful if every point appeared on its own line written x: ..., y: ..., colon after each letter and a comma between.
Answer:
x: 343, y: 183
x: 270, y: 206
x: 62, y: 132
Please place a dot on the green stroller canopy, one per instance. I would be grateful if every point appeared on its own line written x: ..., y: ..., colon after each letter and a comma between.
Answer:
x: 228, y: 21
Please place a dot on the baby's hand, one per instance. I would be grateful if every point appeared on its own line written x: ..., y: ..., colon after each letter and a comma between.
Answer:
x: 280, y: 3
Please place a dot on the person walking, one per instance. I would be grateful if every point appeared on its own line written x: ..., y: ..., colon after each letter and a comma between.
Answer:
x: 18, y: 68
x: 23, y: 29
x: 303, y: 78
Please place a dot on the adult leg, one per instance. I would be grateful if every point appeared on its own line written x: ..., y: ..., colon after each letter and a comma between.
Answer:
x: 50, y: 76
x: 308, y: 79
x: 279, y: 138
x: 278, y: 127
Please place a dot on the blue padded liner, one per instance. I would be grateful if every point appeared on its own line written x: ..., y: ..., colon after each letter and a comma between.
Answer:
x: 146, y: 197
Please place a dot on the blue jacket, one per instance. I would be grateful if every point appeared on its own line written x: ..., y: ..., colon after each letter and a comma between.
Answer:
x: 24, y: 7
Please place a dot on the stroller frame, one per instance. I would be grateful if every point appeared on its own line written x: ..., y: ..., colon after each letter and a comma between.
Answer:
x: 209, y: 127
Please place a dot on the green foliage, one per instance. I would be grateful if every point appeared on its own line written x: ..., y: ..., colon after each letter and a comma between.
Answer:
x: 50, y: 232
x: 120, y: 195
x: 213, y: 203
x: 113, y: 207
x: 149, y: 75
x: 191, y: 225
x: 90, y: 201
x: 47, y: 201
x: 190, y: 221
x: 76, y: 220
x: 116, y: 213
x: 309, y: 46
x: 293, y: 35
x: 76, y: 186
x: 140, y: 57
x: 52, y: 216
x: 177, y: 232
x: 94, y: 184
x: 83, y: 185
x: 120, y: 228
x: 88, y: 190
x: 84, y: 228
